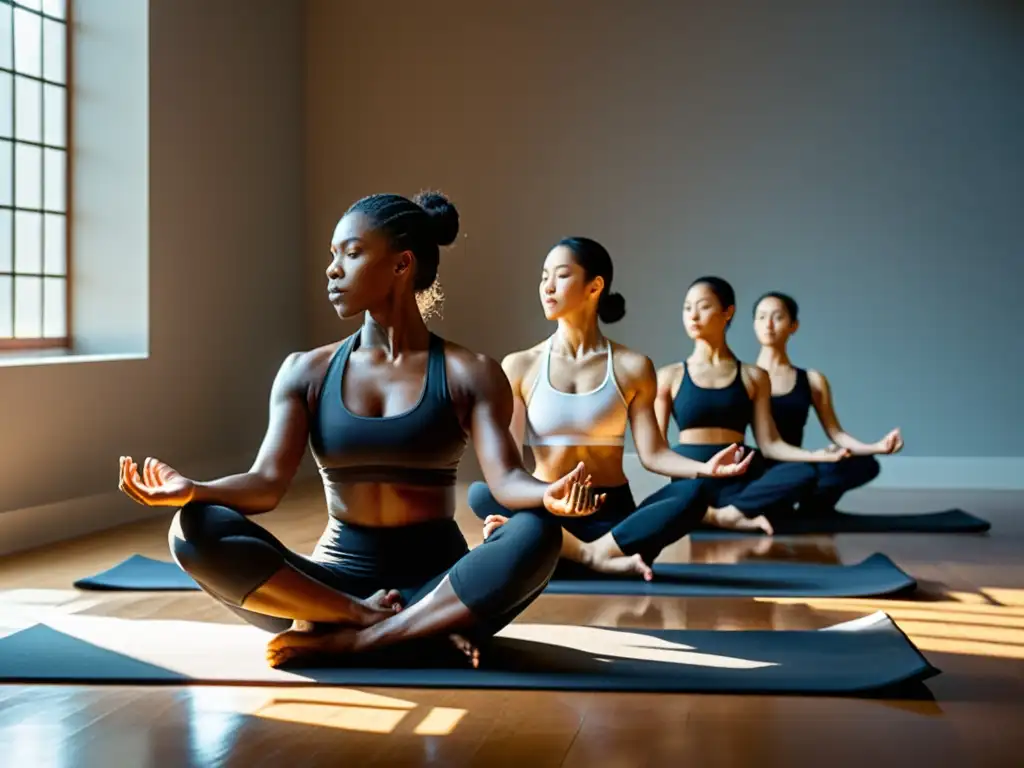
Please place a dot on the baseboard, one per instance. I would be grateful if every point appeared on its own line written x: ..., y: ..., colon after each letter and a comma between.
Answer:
x: 998, y: 473
x: 23, y: 529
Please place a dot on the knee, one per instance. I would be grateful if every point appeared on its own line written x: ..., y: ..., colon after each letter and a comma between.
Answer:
x: 481, y: 500
x: 537, y: 532
x: 864, y: 468
x: 804, y: 473
x: 195, y: 529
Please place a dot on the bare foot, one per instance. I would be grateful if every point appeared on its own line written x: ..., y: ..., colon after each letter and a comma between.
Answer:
x: 471, y: 651
x: 732, y: 519
x: 301, y: 644
x: 385, y: 601
x: 623, y: 564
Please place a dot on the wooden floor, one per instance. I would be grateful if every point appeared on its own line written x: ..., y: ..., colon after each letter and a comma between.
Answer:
x: 968, y: 620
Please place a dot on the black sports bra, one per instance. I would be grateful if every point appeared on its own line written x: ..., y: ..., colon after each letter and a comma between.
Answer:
x: 728, y: 407
x: 790, y: 410
x: 422, y: 446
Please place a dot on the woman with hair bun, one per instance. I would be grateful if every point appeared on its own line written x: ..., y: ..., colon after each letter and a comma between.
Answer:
x: 575, y: 393
x: 387, y: 414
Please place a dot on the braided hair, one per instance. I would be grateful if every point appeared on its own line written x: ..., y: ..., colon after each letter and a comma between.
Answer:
x: 421, y: 225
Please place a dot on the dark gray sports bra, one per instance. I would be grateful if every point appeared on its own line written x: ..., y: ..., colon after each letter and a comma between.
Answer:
x: 422, y: 446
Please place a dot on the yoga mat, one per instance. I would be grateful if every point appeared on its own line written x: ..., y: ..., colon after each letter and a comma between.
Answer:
x: 140, y: 574
x: 874, y: 576
x: 866, y: 656
x: 949, y: 521
x: 877, y: 575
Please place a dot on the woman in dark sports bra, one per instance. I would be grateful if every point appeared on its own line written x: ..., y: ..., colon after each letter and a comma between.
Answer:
x: 794, y: 392
x: 714, y: 398
x: 387, y: 414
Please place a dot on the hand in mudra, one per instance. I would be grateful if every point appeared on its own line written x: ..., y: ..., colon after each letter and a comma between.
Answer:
x: 573, y: 495
x: 728, y: 462
x: 159, y: 485
x: 891, y: 443
x: 834, y: 453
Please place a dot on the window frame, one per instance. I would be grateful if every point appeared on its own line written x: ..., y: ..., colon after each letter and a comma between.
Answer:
x: 28, y: 344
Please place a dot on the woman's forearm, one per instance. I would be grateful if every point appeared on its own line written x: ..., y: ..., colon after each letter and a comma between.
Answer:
x: 853, y: 445
x: 247, y: 493
x: 668, y: 463
x: 518, y: 489
x: 782, y: 451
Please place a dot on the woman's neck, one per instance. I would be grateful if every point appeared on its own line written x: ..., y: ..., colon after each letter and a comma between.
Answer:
x: 711, y: 352
x: 772, y: 358
x: 579, y: 337
x: 395, y: 328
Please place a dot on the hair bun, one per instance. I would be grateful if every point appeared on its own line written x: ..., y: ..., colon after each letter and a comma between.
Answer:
x: 443, y: 215
x: 611, y: 307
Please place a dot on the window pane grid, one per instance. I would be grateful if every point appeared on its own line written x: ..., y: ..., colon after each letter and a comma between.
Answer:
x: 33, y: 173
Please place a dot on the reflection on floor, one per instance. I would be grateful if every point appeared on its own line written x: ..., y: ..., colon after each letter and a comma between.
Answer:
x: 968, y: 619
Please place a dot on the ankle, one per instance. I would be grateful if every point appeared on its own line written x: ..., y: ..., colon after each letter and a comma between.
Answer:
x: 586, y: 554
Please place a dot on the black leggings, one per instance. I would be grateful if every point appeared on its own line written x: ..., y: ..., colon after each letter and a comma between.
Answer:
x: 661, y: 519
x: 230, y: 557
x: 833, y: 480
x: 766, y: 488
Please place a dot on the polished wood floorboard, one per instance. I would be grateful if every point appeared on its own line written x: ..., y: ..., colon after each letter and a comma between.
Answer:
x: 968, y: 619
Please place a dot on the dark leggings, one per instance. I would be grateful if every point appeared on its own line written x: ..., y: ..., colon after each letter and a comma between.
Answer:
x: 230, y: 557
x: 661, y: 519
x: 833, y: 480
x: 766, y: 488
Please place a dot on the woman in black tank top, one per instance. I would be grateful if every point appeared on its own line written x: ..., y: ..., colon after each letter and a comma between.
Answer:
x: 714, y: 398
x: 387, y: 414
x: 795, y: 392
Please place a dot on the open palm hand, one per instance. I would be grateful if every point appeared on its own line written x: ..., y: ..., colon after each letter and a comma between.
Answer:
x: 158, y: 485
x: 573, y: 495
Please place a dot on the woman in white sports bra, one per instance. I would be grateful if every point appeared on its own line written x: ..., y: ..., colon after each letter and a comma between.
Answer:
x: 575, y: 393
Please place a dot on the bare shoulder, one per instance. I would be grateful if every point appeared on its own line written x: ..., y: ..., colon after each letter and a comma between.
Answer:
x: 302, y: 373
x: 309, y: 366
x: 756, y: 378
x: 518, y: 364
x: 472, y: 374
x: 632, y: 365
x: 669, y: 375
x: 817, y: 380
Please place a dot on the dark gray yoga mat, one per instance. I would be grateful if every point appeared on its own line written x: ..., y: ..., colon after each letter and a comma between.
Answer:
x: 874, y: 576
x: 865, y: 657
x: 948, y: 521
x: 877, y: 575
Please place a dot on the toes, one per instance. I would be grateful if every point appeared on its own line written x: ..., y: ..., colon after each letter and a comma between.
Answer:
x: 642, y: 568
x: 394, y: 600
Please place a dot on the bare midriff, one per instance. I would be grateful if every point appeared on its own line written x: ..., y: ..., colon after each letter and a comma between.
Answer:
x: 710, y: 436
x: 603, y: 462
x: 389, y: 505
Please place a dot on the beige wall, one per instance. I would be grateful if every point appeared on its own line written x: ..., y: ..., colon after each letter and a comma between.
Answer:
x: 868, y: 161
x: 226, y: 277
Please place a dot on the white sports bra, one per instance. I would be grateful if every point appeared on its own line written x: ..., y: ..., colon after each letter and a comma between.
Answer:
x: 598, y: 417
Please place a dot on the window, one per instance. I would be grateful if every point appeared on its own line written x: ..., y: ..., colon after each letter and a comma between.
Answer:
x: 34, y: 264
